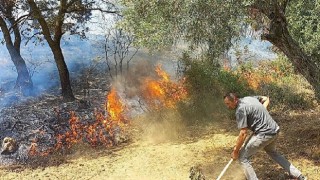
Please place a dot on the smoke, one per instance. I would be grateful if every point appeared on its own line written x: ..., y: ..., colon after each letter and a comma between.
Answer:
x: 156, y: 125
x: 250, y: 49
x: 41, y: 65
x: 143, y: 66
x: 160, y: 126
x: 128, y: 86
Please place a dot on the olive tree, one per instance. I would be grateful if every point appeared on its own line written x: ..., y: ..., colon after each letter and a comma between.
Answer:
x: 291, y: 26
x: 10, y: 23
x: 55, y: 18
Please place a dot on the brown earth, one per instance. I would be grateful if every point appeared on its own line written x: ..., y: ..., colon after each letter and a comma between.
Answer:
x: 167, y: 149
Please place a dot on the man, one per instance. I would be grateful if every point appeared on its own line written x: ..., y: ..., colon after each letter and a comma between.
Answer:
x: 252, y: 114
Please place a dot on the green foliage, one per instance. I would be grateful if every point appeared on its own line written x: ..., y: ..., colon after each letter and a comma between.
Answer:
x: 152, y: 23
x: 284, y: 96
x: 233, y: 83
x: 283, y: 67
x: 278, y: 80
x: 210, y: 25
x: 206, y: 84
x: 303, y: 21
x: 157, y: 24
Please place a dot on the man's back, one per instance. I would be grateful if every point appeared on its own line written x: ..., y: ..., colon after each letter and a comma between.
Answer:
x: 252, y: 114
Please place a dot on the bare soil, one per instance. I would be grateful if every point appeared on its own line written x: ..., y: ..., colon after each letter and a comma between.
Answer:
x: 168, y: 149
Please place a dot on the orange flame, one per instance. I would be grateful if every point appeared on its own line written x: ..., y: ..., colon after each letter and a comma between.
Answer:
x: 158, y: 93
x: 162, y: 74
x: 162, y: 92
x: 33, y: 149
x: 114, y: 106
x: 99, y: 132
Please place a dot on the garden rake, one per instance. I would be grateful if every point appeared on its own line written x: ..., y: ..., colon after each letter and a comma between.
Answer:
x: 224, y: 169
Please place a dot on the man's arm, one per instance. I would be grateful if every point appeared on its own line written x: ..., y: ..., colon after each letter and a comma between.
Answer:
x: 265, y: 101
x: 241, y: 138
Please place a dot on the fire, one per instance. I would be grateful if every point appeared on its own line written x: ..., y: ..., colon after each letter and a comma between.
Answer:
x: 158, y: 93
x: 162, y: 92
x: 33, y: 149
x: 100, y: 132
x: 115, y: 107
x: 165, y: 77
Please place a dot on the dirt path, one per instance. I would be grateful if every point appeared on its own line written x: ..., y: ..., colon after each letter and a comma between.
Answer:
x: 140, y: 160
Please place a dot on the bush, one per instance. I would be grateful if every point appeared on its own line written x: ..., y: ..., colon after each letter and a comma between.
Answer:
x: 206, y: 84
x: 278, y: 80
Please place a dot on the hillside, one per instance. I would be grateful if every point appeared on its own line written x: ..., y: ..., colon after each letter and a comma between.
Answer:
x: 159, y: 148
x: 157, y: 151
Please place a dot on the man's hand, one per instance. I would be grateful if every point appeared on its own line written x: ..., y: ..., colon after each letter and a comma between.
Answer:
x: 265, y: 101
x: 235, y: 155
x: 241, y: 138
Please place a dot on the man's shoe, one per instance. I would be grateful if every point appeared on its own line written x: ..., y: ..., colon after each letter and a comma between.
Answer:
x: 302, y: 177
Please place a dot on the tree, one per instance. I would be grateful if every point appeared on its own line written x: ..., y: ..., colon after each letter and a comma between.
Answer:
x: 206, y: 24
x: 55, y: 18
x: 10, y: 22
x: 117, y: 49
x: 291, y: 26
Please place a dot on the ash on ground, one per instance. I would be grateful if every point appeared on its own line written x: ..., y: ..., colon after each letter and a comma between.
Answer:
x: 38, y: 120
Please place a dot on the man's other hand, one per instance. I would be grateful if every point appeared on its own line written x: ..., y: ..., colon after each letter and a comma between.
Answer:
x: 235, y: 155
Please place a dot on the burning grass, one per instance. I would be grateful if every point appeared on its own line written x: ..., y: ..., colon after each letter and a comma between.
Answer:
x: 162, y: 91
x: 105, y: 130
x: 109, y: 125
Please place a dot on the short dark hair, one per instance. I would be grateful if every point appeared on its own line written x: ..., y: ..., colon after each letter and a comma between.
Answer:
x: 231, y: 96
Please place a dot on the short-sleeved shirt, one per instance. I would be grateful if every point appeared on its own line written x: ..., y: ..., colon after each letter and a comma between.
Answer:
x: 251, y: 114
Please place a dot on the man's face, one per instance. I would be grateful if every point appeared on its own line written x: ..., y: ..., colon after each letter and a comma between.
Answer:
x: 231, y: 104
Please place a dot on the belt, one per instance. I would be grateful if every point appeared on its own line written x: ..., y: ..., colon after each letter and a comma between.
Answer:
x: 270, y: 134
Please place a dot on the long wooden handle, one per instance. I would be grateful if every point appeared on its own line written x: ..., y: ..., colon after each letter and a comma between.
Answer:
x: 224, y: 169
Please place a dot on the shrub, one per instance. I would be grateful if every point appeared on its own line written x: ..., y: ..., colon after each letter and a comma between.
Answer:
x: 206, y: 83
x: 278, y: 80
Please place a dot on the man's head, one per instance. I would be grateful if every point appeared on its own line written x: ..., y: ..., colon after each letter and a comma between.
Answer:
x: 231, y: 100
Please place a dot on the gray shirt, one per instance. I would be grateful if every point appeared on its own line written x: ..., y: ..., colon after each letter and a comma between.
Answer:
x: 251, y: 114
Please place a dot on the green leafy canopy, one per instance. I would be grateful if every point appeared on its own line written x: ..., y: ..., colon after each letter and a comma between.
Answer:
x: 157, y: 24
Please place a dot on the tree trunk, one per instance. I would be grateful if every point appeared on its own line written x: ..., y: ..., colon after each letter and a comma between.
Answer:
x: 66, y: 89
x: 302, y: 63
x: 278, y: 34
x: 54, y: 44
x: 23, y: 82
